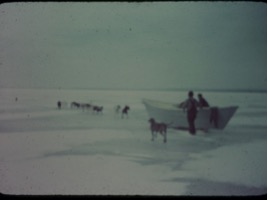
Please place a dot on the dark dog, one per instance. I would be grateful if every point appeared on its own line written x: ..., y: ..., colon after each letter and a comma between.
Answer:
x: 157, y: 127
x: 75, y: 104
x: 59, y: 104
x: 125, y: 111
x: 97, y: 109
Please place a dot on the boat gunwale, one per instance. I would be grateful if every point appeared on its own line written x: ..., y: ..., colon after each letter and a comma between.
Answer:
x: 175, y: 107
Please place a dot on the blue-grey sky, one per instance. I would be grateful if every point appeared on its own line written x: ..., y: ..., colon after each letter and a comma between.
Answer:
x: 134, y: 45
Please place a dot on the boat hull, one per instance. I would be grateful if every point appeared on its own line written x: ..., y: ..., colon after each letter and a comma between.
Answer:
x: 207, y: 118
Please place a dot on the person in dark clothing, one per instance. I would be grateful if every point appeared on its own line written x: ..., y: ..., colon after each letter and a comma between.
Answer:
x: 202, y: 101
x: 191, y: 105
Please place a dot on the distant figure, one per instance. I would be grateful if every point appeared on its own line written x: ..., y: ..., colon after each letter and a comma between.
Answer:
x: 191, y: 105
x: 59, y: 105
x: 202, y: 101
x: 16, y: 99
x: 125, y: 111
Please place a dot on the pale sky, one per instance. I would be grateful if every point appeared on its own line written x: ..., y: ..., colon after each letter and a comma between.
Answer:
x: 134, y: 45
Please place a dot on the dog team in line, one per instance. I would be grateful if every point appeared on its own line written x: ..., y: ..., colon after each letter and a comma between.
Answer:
x: 94, y: 108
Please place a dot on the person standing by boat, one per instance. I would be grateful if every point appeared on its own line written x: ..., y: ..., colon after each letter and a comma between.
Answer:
x: 191, y: 106
x: 202, y: 102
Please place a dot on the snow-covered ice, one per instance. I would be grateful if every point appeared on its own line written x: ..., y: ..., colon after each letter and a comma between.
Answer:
x: 44, y: 150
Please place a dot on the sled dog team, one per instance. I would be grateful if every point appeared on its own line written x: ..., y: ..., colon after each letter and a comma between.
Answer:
x: 95, y: 108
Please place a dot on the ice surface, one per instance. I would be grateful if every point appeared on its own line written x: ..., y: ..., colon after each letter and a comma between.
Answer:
x: 44, y: 150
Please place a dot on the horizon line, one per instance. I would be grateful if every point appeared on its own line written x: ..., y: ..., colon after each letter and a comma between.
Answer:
x: 146, y: 89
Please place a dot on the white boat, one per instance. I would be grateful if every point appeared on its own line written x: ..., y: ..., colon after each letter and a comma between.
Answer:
x: 207, y: 118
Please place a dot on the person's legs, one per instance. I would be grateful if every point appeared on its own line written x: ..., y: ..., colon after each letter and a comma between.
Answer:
x: 191, y: 119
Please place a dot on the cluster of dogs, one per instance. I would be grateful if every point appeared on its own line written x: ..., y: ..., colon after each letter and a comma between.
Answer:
x: 95, y: 108
x: 87, y: 106
x: 155, y: 127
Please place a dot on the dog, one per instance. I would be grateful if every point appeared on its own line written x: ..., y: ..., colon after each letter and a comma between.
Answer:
x: 157, y: 127
x: 75, y: 104
x: 125, y: 111
x: 85, y: 106
x: 59, y: 105
x: 97, y: 109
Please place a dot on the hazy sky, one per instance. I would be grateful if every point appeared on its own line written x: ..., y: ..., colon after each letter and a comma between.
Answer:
x: 134, y: 45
